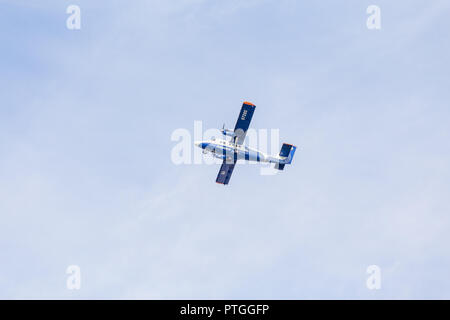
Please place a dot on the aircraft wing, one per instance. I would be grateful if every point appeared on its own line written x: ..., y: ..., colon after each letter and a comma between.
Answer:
x: 225, y: 172
x: 243, y: 122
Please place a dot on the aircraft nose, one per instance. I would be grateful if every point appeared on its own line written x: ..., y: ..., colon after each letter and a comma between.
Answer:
x: 198, y: 144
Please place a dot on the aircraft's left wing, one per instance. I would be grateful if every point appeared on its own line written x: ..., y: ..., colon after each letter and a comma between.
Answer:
x: 243, y: 122
x: 225, y: 172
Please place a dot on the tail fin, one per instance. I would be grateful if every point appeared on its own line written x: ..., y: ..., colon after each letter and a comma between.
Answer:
x: 287, y: 154
x: 291, y: 155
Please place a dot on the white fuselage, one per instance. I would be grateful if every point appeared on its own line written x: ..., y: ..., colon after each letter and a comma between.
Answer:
x: 226, y: 150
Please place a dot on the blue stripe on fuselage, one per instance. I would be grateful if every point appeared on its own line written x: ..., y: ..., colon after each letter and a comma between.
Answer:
x: 236, y: 153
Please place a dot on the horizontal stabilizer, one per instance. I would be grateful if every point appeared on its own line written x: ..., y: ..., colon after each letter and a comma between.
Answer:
x: 279, y: 166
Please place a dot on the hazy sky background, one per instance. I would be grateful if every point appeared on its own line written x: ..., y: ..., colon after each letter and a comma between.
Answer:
x: 86, y: 176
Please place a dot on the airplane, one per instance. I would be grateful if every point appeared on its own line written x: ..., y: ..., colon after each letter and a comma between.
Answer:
x: 230, y: 151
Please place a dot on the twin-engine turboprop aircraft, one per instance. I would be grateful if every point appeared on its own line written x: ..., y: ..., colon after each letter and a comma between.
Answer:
x: 233, y: 150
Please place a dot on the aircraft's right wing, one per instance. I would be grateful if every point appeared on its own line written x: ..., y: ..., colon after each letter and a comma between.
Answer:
x: 225, y: 172
x: 243, y: 122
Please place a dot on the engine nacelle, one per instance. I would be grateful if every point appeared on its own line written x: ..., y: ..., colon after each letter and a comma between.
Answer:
x: 227, y: 132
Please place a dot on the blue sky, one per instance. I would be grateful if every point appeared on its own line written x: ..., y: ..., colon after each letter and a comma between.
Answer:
x: 86, y: 176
